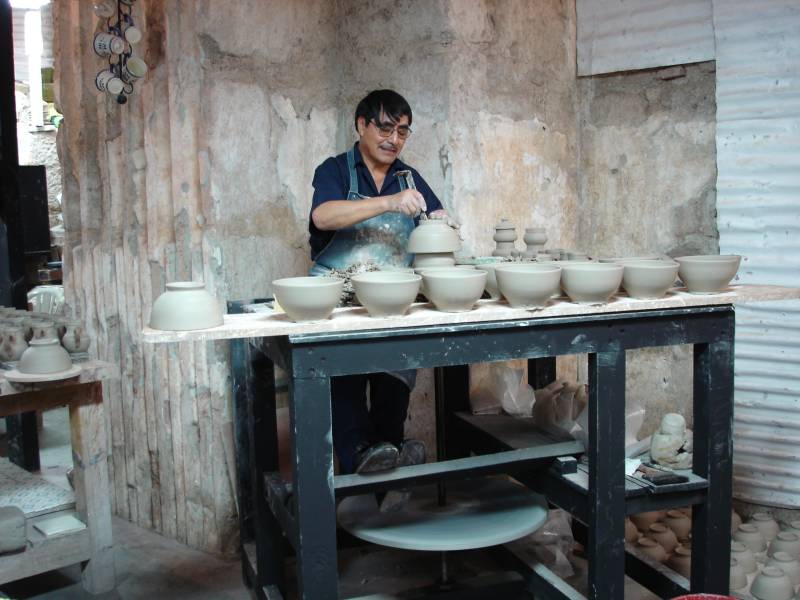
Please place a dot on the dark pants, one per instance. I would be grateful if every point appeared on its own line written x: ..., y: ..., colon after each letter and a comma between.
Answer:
x: 355, y: 426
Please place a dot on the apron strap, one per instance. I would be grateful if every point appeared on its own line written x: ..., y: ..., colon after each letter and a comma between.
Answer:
x: 351, y: 166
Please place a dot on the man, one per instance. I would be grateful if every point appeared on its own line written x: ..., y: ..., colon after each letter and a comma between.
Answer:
x: 362, y: 212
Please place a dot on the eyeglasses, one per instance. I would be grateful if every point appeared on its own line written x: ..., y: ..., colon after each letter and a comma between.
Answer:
x: 386, y: 130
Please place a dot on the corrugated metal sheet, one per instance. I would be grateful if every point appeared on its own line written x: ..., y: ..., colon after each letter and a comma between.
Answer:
x: 625, y: 35
x: 758, y: 208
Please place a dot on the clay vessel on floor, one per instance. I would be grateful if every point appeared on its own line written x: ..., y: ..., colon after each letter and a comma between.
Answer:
x: 772, y: 584
x: 645, y: 519
x: 767, y: 525
x: 681, y: 561
x: 663, y: 535
x: 785, y: 541
x: 631, y: 533
x: 738, y: 578
x: 745, y: 557
x: 708, y: 274
x: 750, y: 536
x: 788, y: 564
x: 652, y: 548
x: 678, y: 522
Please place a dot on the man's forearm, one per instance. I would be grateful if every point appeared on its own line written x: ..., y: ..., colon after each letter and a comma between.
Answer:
x: 338, y: 214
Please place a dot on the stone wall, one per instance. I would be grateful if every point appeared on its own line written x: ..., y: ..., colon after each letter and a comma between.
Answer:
x: 205, y: 174
x: 647, y: 186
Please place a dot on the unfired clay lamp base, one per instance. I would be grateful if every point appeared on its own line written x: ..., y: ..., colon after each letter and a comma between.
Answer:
x: 479, y: 513
x: 16, y: 377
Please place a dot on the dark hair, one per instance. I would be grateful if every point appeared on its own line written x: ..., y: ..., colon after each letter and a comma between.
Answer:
x: 388, y: 101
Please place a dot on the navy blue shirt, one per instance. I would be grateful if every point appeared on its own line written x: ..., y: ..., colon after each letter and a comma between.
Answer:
x: 332, y: 182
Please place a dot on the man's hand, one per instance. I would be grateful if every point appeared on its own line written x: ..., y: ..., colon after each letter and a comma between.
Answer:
x: 409, y: 202
x: 442, y: 215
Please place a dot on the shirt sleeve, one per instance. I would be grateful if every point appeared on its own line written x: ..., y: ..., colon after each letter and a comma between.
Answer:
x: 328, y: 183
x: 431, y: 200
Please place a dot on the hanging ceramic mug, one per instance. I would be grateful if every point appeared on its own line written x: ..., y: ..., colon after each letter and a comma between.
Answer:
x: 106, y: 44
x: 107, y: 81
x: 133, y: 69
x: 129, y: 30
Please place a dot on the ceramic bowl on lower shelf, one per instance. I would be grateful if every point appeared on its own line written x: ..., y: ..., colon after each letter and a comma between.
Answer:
x: 454, y: 290
x: 772, y: 584
x: 44, y: 356
x: 491, y: 278
x: 590, y: 283
x: 708, y: 274
x: 186, y: 305
x: 648, y: 278
x: 308, y: 298
x: 386, y: 293
x: 528, y: 285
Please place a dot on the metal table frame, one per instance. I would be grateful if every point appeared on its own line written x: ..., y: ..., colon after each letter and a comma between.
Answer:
x: 311, y: 359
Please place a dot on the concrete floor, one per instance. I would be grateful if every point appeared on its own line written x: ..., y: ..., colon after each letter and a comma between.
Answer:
x: 150, y: 566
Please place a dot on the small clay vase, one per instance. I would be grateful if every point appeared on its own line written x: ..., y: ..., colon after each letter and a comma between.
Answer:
x: 505, y: 235
x: 766, y: 525
x: 535, y: 238
x: 772, y: 584
x: 75, y: 338
x: 681, y: 561
x: 14, y: 343
x: 663, y: 535
x: 678, y: 522
x: 751, y: 536
x: 738, y: 578
x: 785, y: 541
x: 645, y: 519
x: 631, y: 533
x: 736, y: 520
x: 652, y: 548
x: 745, y: 557
x: 788, y: 564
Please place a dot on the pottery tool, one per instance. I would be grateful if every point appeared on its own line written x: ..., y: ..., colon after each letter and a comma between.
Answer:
x: 408, y: 177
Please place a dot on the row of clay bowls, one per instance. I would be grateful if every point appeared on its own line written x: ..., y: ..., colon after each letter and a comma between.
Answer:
x: 768, y: 557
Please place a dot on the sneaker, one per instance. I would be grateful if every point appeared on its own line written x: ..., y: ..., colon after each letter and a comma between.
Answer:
x: 378, y: 457
x: 412, y: 452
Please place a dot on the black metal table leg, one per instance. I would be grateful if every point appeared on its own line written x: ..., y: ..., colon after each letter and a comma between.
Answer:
x: 312, y: 455
x: 541, y: 372
x: 713, y: 459
x: 606, y: 522
x: 263, y: 446
x: 451, y: 387
x: 23, y: 441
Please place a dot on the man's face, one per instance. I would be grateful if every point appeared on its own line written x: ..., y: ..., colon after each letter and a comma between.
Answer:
x: 375, y: 145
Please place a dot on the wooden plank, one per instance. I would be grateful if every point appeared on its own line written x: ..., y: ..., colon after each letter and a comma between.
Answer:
x: 87, y: 426
x: 192, y: 468
x: 271, y: 324
x: 46, y: 554
x: 166, y: 468
x: 209, y: 451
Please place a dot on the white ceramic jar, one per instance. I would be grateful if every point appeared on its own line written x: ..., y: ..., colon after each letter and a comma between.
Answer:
x: 75, y: 338
x: 766, y: 525
x: 788, y: 564
x: 785, y: 541
x: 186, y: 305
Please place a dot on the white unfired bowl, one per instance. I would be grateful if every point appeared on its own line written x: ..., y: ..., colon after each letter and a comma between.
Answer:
x: 434, y: 259
x: 433, y: 235
x: 708, y: 274
x: 44, y: 356
x: 386, y: 293
x: 528, y: 285
x: 590, y: 283
x: 454, y: 290
x: 648, y: 278
x: 186, y: 305
x: 308, y: 298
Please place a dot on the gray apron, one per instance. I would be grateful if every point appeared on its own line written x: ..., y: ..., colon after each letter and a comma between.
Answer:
x: 381, y: 240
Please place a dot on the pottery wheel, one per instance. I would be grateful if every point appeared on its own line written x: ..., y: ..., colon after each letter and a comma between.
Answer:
x: 479, y: 513
x: 16, y: 377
